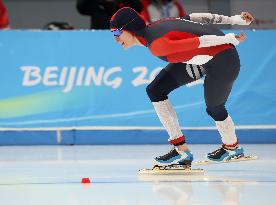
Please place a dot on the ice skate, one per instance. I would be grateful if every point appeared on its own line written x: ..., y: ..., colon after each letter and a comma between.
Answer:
x: 174, y: 162
x: 223, y: 155
x: 184, y: 158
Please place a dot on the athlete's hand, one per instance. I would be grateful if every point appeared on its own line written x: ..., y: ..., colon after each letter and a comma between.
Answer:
x: 241, y: 37
x: 247, y: 17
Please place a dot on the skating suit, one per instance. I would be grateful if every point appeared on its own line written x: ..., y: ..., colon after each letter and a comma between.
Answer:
x: 177, y: 41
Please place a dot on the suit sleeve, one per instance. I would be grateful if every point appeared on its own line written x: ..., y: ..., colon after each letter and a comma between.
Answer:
x: 208, y: 18
x: 164, y: 46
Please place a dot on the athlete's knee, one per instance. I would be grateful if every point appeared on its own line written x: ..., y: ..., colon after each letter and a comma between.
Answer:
x: 218, y: 113
x: 156, y: 92
x: 161, y: 86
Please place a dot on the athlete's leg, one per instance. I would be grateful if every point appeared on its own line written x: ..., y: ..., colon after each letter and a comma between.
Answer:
x: 221, y: 73
x: 170, y: 78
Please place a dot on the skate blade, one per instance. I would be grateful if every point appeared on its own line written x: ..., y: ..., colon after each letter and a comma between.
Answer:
x: 235, y: 159
x: 170, y: 170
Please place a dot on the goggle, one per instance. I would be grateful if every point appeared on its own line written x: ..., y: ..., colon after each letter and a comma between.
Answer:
x: 117, y: 32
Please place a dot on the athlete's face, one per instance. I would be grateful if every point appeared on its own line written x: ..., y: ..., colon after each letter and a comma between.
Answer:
x: 126, y: 39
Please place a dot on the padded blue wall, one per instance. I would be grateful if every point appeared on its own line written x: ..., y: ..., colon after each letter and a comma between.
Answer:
x: 79, y: 80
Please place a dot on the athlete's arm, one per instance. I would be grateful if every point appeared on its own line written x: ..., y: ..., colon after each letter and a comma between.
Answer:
x: 165, y: 46
x: 245, y: 18
x: 213, y: 40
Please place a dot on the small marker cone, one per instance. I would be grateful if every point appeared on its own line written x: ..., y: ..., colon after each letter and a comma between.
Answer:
x: 85, y: 180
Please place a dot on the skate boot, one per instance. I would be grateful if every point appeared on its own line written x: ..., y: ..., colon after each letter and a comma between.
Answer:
x: 175, y: 157
x: 223, y: 154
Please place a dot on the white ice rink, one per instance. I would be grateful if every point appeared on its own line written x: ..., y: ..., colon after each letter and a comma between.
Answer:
x: 49, y: 175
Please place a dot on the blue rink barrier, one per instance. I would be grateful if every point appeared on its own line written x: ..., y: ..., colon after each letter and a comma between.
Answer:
x: 82, y: 79
x: 128, y: 137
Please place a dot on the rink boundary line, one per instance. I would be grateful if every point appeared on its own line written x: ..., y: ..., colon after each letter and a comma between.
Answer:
x: 238, y: 127
x: 135, y: 182
x: 77, y: 162
x: 124, y: 162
